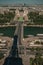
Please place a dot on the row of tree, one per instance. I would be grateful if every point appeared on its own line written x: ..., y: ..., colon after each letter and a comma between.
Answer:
x: 6, y: 17
x: 35, y: 17
x: 37, y: 60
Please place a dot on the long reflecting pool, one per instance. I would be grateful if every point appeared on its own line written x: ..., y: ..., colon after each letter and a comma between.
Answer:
x: 7, y: 31
x: 32, y: 30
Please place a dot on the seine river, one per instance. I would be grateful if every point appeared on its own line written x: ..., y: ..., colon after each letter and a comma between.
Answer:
x: 30, y: 2
x: 9, y: 31
x: 32, y: 31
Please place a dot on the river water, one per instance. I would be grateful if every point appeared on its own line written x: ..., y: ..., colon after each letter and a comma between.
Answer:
x: 32, y: 31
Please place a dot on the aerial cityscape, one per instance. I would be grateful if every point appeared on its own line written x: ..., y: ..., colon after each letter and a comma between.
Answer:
x: 21, y: 32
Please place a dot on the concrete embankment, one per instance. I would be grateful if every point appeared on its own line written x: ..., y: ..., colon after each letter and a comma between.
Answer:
x: 23, y: 25
x: 34, y: 25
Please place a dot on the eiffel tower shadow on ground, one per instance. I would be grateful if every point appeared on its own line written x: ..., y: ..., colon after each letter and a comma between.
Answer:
x: 13, y: 58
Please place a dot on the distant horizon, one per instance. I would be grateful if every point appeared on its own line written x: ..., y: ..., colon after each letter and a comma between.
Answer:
x: 29, y: 2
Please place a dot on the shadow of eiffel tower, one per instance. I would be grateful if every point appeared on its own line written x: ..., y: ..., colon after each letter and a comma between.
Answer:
x: 13, y: 58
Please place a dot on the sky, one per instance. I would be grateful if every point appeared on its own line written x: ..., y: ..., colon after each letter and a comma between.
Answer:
x: 21, y: 1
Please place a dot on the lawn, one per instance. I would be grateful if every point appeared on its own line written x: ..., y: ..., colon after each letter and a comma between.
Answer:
x: 20, y: 19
